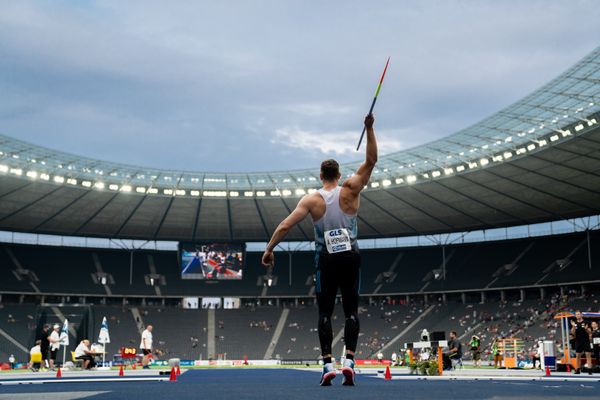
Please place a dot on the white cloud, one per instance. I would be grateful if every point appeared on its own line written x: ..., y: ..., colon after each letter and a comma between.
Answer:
x: 319, y: 109
x: 339, y: 143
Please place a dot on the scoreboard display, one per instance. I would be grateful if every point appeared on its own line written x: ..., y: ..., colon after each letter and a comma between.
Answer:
x: 216, y: 261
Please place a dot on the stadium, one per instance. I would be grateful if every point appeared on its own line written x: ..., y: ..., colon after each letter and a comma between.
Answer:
x: 491, y: 232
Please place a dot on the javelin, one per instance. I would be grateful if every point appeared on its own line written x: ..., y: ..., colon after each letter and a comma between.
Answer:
x: 374, y: 101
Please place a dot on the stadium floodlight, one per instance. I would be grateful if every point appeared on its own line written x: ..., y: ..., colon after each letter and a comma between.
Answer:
x: 374, y: 184
x: 248, y: 194
x: 521, y: 150
x: 411, y: 179
x: 566, y: 133
x: 497, y: 158
x: 386, y: 182
x: 399, y: 181
x: 448, y: 171
x: 45, y: 177
x: 286, y: 192
x: 126, y: 188
x: 113, y: 186
x: 17, y: 157
x: 507, y: 154
x: 592, y: 122
x: 300, y: 192
x: 152, y: 191
x: 140, y: 189
x: 508, y: 139
x: 554, y: 138
x: 311, y: 191
x: 472, y: 164
x: 542, y: 142
x: 168, y: 192
x: 72, y: 181
x: 531, y: 130
x: 531, y: 147
x: 195, y: 193
x: 426, y: 175
x: 460, y: 168
x: 99, y: 185
x: 234, y: 194
x: 32, y: 174
x: 275, y: 193
x: 59, y: 179
x: 16, y: 171
x: 435, y: 174
x: 260, y: 193
x: 578, y: 127
x: 84, y: 183
x: 181, y: 192
x: 484, y: 162
x: 485, y: 146
x: 3, y: 168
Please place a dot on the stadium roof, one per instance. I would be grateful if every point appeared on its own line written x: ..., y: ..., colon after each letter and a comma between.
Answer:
x: 536, y: 160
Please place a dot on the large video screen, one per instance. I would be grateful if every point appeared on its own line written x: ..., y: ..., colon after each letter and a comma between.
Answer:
x: 220, y: 261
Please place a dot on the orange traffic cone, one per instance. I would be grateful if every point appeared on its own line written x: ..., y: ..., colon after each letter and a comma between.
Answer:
x: 178, y: 371
x: 173, y: 376
x: 58, y: 373
x: 388, y: 373
x: 133, y: 366
x: 568, y: 367
x: 245, y: 360
x: 547, y: 371
x: 121, y: 373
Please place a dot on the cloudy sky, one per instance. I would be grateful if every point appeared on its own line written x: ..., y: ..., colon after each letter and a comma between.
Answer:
x: 270, y: 85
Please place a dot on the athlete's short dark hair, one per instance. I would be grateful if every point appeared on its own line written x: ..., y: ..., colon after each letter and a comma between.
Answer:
x: 330, y: 169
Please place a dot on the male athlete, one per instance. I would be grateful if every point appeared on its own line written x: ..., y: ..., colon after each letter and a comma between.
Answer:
x: 334, y: 211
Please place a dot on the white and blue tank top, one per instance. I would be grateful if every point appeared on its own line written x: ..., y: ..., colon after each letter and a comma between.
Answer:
x: 335, y: 231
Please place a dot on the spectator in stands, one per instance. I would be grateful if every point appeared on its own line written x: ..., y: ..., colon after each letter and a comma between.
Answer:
x: 582, y: 331
x: 146, y: 346
x: 11, y: 361
x: 475, y: 345
x: 54, y: 340
x: 454, y: 351
x: 596, y: 340
x: 44, y: 344
x: 36, y: 350
x: 83, y: 352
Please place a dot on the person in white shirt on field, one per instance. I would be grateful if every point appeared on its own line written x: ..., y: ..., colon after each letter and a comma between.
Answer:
x: 83, y: 352
x: 146, y: 346
x: 37, y: 349
x: 54, y: 339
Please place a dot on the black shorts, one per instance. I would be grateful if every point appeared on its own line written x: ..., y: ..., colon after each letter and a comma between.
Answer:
x: 53, y: 354
x: 583, y: 346
x: 335, y: 272
x: 146, y: 352
x: 45, y: 353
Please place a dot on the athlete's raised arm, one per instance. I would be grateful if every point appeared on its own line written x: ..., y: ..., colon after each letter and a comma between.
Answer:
x: 299, y: 213
x: 360, y: 179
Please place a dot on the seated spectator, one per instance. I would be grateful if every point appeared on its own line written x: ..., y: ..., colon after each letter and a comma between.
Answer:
x: 83, y: 352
